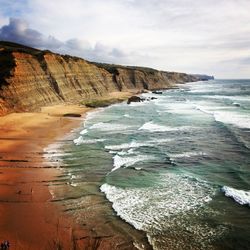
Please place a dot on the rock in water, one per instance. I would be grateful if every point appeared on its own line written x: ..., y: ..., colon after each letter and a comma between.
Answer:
x: 134, y: 99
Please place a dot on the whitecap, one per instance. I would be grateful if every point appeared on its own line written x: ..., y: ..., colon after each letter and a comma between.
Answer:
x: 187, y: 154
x: 152, y: 127
x: 240, y: 196
x: 80, y: 140
x: 129, y: 161
x: 132, y: 144
x: 236, y: 119
x: 83, y: 132
x: 149, y: 208
x: 109, y: 127
x: 233, y: 98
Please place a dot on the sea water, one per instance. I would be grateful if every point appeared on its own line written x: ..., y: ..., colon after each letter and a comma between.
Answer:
x: 176, y: 167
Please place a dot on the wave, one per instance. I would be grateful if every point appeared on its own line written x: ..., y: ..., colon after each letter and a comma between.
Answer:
x: 238, y: 120
x: 187, y: 154
x: 152, y: 127
x: 83, y: 132
x: 205, y: 109
x: 228, y: 117
x: 149, y: 208
x: 233, y: 98
x: 132, y: 144
x: 92, y: 114
x: 129, y: 161
x: 185, y: 108
x: 80, y: 140
x: 240, y: 196
x: 109, y: 127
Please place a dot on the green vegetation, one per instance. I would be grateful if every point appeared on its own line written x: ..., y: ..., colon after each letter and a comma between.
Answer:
x: 102, y: 102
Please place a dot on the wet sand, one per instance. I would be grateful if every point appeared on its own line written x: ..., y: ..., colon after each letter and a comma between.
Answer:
x: 29, y: 218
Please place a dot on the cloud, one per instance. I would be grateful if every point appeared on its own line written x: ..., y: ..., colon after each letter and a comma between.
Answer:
x: 18, y: 31
x: 98, y: 52
x: 184, y: 35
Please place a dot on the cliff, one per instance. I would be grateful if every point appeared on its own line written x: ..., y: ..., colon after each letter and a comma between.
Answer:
x: 31, y: 78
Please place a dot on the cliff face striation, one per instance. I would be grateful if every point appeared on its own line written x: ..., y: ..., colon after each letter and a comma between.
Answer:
x: 31, y: 78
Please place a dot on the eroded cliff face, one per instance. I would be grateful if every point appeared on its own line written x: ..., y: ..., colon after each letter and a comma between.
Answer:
x: 30, y: 79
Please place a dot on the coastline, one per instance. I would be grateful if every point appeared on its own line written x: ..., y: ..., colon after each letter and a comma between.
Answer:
x: 28, y: 217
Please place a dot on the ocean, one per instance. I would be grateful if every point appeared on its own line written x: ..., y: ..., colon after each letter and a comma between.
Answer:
x: 176, y: 167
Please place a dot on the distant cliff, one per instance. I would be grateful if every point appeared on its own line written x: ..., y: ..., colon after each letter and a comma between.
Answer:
x: 31, y: 78
x: 204, y: 77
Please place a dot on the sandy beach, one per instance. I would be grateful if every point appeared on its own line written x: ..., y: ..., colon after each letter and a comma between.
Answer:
x: 28, y: 218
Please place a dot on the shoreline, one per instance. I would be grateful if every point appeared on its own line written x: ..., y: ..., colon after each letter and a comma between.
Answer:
x: 28, y: 218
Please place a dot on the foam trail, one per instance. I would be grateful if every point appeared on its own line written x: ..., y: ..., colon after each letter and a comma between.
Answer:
x: 83, y: 132
x: 238, y: 120
x: 148, y: 208
x: 80, y: 140
x: 107, y: 127
x: 128, y: 161
x: 187, y: 154
x: 152, y: 127
x: 240, y: 196
x: 133, y: 144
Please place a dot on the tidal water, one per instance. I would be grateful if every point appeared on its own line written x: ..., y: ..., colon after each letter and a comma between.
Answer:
x: 176, y: 167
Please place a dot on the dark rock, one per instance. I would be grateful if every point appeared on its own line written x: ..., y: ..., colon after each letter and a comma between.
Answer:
x: 236, y: 104
x: 72, y: 115
x: 134, y: 99
x: 157, y: 92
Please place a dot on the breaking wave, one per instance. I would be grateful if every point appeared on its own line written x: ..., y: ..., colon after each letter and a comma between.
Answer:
x: 240, y: 196
x: 152, y: 127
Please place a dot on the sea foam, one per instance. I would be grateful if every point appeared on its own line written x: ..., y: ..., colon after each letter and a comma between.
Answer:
x: 240, y: 196
x: 152, y: 127
x: 83, y: 132
x: 238, y: 120
x: 132, y: 144
x: 148, y: 208
x: 80, y: 140
x: 128, y: 161
x: 187, y: 154
x: 109, y: 127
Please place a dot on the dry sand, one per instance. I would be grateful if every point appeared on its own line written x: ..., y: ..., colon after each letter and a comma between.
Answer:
x: 27, y: 217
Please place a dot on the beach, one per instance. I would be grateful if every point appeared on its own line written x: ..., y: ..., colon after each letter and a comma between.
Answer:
x: 29, y: 218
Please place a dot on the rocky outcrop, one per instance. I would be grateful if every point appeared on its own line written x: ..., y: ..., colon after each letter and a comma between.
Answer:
x: 31, y: 78
x: 134, y: 98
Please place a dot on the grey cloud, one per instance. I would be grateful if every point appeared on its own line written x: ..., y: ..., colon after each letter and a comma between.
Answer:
x: 18, y: 31
x: 98, y: 52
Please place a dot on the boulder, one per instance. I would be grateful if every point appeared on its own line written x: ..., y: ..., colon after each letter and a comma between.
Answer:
x: 134, y: 99
x: 72, y: 115
x: 157, y: 92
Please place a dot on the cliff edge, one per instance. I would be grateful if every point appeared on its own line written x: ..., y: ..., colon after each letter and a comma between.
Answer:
x: 32, y: 78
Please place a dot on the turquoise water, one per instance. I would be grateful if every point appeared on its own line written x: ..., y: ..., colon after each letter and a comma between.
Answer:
x: 177, y: 167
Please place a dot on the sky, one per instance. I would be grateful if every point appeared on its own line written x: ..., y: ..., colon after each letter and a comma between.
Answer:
x: 203, y: 36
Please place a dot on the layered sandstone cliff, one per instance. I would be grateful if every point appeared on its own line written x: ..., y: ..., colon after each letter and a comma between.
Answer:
x: 31, y: 78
